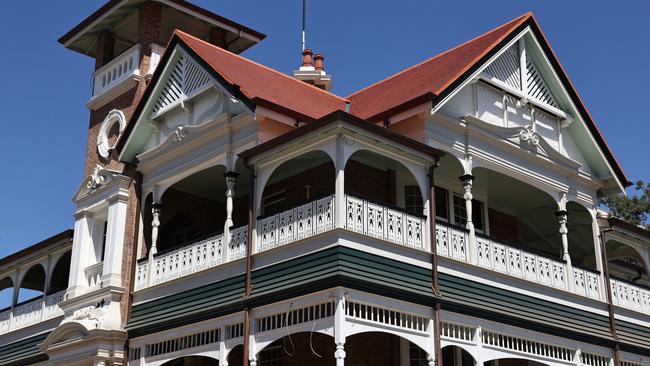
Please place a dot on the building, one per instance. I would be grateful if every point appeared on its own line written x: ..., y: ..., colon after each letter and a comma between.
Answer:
x: 232, y: 214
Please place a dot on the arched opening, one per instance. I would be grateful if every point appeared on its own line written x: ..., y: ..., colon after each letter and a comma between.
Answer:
x: 195, y: 208
x: 513, y: 362
x: 317, y: 349
x: 383, y: 349
x: 455, y: 356
x: 32, y: 285
x: 6, y: 293
x: 302, y: 179
x: 380, y: 179
x: 192, y: 361
x: 517, y: 213
x: 60, y: 274
x: 626, y: 263
x: 581, y: 236
x: 236, y: 355
x: 297, y: 349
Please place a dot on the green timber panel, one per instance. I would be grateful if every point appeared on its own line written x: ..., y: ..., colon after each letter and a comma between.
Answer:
x: 23, y: 352
x: 467, y: 296
x: 341, y: 266
x: 633, y: 334
x: 212, y: 300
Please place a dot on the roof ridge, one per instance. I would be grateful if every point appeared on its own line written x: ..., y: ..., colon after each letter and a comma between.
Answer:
x: 183, y: 34
x: 525, y: 15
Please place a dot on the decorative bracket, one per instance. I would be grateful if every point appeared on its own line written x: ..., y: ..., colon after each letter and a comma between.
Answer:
x: 529, y: 136
x: 178, y: 135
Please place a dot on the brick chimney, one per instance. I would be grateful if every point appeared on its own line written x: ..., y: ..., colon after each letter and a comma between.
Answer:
x: 312, y: 70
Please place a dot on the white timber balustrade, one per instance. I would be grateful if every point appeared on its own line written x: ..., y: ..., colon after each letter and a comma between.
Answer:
x: 297, y: 223
x: 94, y: 275
x: 122, y: 72
x: 31, y: 312
x: 453, y: 242
x: 381, y: 222
x: 119, y: 69
x: 627, y: 295
x: 191, y: 258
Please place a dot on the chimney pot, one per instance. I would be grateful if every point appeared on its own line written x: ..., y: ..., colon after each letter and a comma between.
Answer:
x: 307, y: 59
x: 319, y: 62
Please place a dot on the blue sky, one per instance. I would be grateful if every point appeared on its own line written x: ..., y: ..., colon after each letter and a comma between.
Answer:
x: 605, y: 50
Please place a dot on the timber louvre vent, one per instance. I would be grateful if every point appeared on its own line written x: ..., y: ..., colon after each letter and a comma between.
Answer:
x: 295, y: 317
x: 506, y: 67
x: 376, y: 314
x: 527, y: 346
x: 186, y: 79
x: 181, y: 343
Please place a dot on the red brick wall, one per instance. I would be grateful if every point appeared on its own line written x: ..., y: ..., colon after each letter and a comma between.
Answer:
x: 502, y: 225
x: 360, y: 179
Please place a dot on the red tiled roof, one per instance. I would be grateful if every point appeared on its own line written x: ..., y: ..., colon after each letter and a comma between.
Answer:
x: 428, y: 78
x: 263, y: 85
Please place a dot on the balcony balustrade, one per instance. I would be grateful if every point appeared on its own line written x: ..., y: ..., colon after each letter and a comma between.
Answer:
x: 121, y: 74
x: 394, y: 226
x: 94, y: 275
x: 453, y: 242
x: 31, y: 312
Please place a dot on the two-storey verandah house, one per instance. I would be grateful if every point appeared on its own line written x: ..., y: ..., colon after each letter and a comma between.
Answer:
x: 445, y: 214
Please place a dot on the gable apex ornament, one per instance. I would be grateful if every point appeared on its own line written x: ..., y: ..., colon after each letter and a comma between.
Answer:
x: 96, y: 179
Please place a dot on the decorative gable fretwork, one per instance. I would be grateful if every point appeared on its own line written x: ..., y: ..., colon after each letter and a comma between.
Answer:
x: 507, y: 69
x: 185, y: 80
x: 535, y: 85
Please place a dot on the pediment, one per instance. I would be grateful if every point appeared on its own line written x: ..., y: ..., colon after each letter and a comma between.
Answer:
x: 99, y: 180
x: 64, y: 334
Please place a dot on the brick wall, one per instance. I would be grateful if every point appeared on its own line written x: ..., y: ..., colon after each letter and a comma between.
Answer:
x: 360, y: 179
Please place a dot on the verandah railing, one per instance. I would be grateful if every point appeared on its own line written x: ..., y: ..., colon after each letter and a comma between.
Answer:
x: 31, y: 312
x: 391, y: 225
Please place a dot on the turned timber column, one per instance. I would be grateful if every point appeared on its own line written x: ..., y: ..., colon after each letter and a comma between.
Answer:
x: 339, y: 328
x: 467, y: 182
x: 339, y: 184
x: 231, y: 179
x: 562, y: 219
x: 156, y: 209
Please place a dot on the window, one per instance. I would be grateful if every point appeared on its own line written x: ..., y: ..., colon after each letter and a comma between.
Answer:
x: 104, y: 240
x: 413, y: 199
x: 273, y: 202
x: 460, y: 213
x: 442, y: 203
x: 417, y: 356
x: 271, y: 356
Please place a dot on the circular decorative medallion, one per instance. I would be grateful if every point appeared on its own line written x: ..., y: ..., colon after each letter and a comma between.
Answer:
x: 110, y: 131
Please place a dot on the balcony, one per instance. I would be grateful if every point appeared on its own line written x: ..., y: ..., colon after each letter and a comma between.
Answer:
x: 395, y: 226
x: 121, y: 74
x: 31, y: 312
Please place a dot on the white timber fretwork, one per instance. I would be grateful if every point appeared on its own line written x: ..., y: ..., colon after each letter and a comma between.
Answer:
x: 517, y: 69
x: 186, y: 79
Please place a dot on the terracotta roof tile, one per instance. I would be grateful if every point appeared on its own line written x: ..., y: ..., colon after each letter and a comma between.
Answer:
x: 430, y: 77
x: 264, y: 85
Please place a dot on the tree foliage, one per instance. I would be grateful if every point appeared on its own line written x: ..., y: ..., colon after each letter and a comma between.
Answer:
x: 634, y: 209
